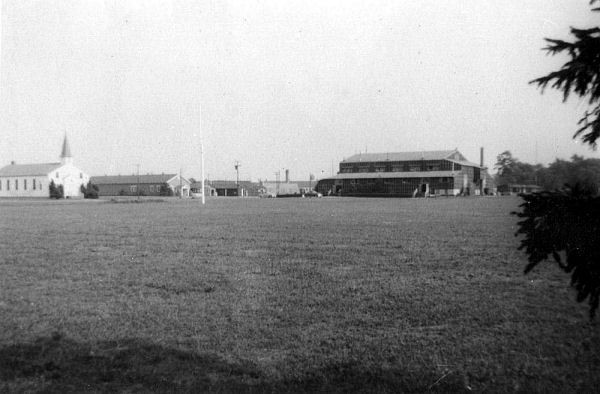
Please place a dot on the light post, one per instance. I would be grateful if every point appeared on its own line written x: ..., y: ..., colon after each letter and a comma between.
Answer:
x: 237, y: 170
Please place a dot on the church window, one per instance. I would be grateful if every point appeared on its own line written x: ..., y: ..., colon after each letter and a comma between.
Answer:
x: 24, y: 184
x: 33, y: 181
x: 16, y: 184
x: 0, y: 185
x: 7, y: 184
x: 133, y: 188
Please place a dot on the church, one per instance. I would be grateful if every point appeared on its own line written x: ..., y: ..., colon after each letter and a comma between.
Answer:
x: 33, y: 180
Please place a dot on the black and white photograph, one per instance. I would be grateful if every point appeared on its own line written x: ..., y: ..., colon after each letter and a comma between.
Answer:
x: 287, y: 196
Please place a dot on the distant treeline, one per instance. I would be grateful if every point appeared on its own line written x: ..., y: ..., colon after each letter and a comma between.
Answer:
x: 585, y: 173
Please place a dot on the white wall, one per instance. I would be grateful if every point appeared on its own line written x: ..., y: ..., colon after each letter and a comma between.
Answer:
x: 67, y: 175
x: 22, y: 192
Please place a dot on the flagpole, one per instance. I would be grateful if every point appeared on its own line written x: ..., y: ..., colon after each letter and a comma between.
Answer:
x: 202, y: 157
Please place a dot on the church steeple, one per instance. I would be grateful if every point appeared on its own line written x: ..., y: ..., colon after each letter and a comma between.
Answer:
x: 65, y: 155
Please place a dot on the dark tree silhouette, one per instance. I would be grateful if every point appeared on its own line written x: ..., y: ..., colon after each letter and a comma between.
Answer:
x: 565, y: 224
x: 580, y: 75
x: 56, y: 192
x: 511, y: 170
x: 90, y: 191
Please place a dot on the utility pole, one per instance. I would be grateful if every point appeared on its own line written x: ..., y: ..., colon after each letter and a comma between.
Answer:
x: 202, y: 171
x: 237, y: 166
x: 202, y: 158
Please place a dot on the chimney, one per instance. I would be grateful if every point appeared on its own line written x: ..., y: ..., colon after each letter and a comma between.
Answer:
x: 287, y: 176
x: 481, y: 157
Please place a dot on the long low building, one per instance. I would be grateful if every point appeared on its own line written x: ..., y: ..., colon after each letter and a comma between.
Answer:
x: 408, y: 174
x: 143, y: 185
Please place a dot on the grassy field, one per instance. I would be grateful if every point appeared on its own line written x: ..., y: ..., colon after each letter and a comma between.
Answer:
x: 283, y: 295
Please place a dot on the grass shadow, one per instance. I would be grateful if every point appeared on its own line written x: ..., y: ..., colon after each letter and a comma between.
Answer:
x: 59, y: 365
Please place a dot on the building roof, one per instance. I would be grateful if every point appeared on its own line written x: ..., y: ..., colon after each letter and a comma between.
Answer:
x: 66, y: 149
x: 29, y: 169
x: 198, y: 185
x: 465, y: 163
x: 131, y: 179
x: 400, y: 156
x: 386, y: 175
x: 224, y: 184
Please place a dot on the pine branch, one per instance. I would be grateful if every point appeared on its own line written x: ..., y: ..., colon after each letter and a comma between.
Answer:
x: 580, y: 75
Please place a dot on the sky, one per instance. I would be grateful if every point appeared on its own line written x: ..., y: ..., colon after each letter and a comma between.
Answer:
x: 297, y: 85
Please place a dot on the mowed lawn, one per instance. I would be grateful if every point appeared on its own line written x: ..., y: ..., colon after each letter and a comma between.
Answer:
x: 283, y: 295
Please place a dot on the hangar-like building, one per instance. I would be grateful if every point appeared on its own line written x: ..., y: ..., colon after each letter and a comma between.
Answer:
x: 409, y: 174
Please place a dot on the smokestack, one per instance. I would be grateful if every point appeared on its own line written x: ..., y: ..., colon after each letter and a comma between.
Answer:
x: 287, y: 176
x: 481, y: 156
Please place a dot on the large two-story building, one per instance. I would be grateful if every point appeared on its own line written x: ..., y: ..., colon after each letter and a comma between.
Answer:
x: 408, y: 174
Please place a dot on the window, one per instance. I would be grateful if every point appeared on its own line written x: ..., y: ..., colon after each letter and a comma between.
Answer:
x: 33, y: 181
x: 151, y: 187
x: 16, y: 184
x: 133, y: 188
x: 24, y: 184
x: 0, y: 185
x: 7, y: 184
x: 40, y: 185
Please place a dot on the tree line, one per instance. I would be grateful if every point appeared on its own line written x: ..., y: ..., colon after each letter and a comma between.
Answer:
x: 578, y: 172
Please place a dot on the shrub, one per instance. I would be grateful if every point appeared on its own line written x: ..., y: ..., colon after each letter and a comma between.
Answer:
x: 56, y: 191
x: 165, y: 190
x: 91, y: 191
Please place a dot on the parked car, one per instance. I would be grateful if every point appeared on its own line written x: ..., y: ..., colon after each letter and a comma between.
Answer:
x: 267, y: 195
x: 312, y: 193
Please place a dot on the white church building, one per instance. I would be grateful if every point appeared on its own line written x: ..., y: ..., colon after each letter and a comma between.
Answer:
x: 33, y: 180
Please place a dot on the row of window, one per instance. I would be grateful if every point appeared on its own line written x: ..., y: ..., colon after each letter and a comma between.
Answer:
x: 399, y: 181
x: 414, y: 166
x: 80, y: 175
x: 34, y: 185
x: 152, y: 188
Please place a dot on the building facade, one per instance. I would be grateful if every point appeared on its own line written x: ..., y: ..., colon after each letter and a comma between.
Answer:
x: 408, y: 174
x: 33, y: 180
x: 142, y: 185
x: 512, y: 188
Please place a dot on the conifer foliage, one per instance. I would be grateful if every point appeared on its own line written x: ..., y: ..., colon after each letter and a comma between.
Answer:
x: 564, y: 225
x: 56, y: 192
x: 580, y: 75
x: 90, y: 191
